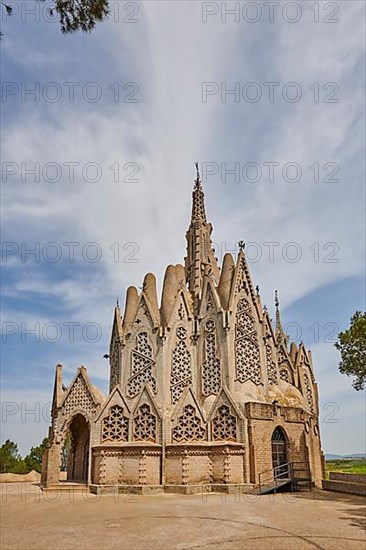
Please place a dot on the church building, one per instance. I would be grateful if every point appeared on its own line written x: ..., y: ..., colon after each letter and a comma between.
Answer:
x: 203, y: 388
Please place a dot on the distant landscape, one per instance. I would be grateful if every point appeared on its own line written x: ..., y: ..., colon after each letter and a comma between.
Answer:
x: 351, y: 464
x: 329, y: 456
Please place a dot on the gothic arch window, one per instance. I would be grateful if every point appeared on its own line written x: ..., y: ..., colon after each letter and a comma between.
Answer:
x: 180, y: 375
x: 224, y: 425
x: 279, y: 452
x: 309, y: 393
x: 246, y: 346
x: 115, y: 425
x: 142, y: 364
x: 211, y: 371
x: 145, y: 424
x: 189, y: 426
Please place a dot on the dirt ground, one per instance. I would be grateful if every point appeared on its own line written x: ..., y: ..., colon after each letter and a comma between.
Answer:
x: 322, y: 520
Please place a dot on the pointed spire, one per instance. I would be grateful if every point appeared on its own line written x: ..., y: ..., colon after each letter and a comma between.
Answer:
x: 198, y: 200
x: 57, y: 390
x: 200, y: 253
x: 279, y: 330
x: 198, y: 179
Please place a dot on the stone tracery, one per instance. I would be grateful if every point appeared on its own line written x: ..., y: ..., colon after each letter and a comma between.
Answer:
x: 181, y: 375
x: 211, y: 367
x: 189, y: 426
x: 142, y: 364
x: 115, y: 425
x: 145, y: 424
x: 79, y: 398
x: 309, y: 393
x: 271, y: 365
x: 246, y: 345
x: 224, y: 425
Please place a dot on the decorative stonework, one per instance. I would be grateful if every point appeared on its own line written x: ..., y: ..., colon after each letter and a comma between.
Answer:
x: 285, y: 374
x: 79, y: 398
x: 142, y: 365
x: 181, y: 375
x: 142, y: 469
x: 246, y: 346
x: 115, y: 361
x: 284, y: 368
x: 211, y: 368
x: 241, y: 283
x: 309, y: 393
x: 224, y: 425
x: 145, y: 424
x: 115, y: 425
x: 271, y: 365
x: 189, y: 426
x: 210, y: 349
x: 181, y: 312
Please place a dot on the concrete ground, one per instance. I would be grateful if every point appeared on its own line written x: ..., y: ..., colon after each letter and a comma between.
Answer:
x: 322, y: 520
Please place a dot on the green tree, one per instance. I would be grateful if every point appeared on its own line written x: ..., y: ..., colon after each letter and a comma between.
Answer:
x: 19, y: 467
x: 65, y: 452
x: 74, y: 15
x: 352, y: 345
x: 79, y: 15
x: 33, y: 460
x: 9, y: 456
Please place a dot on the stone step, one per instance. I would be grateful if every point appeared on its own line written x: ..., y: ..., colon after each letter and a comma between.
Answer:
x: 125, y: 489
x: 188, y: 489
x: 66, y: 486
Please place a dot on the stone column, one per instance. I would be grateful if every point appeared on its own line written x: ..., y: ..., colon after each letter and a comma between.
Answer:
x: 51, y: 465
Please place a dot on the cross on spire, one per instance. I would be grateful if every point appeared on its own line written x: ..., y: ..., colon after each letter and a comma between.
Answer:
x: 198, y: 179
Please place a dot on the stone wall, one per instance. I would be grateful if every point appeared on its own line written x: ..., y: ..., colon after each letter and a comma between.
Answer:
x: 116, y: 465
x: 263, y: 419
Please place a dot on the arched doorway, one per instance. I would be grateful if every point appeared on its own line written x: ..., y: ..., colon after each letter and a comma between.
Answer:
x: 78, y: 455
x: 279, y: 452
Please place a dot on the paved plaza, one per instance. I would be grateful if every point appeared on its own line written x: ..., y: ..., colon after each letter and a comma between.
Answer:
x: 322, y: 520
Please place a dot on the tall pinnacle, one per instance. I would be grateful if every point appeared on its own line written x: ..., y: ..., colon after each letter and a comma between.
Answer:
x: 200, y: 254
x: 198, y: 200
x: 279, y: 330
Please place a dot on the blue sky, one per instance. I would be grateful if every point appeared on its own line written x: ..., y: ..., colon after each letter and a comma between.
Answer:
x: 151, y: 114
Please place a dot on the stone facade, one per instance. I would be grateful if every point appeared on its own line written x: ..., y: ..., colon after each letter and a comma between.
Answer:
x: 198, y: 385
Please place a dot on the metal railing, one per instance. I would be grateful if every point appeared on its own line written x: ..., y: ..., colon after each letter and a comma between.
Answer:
x: 289, y: 473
